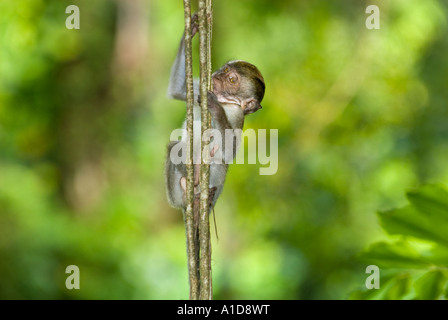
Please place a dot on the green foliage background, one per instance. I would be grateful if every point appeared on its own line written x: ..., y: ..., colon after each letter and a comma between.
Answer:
x: 362, y: 117
x: 415, y: 264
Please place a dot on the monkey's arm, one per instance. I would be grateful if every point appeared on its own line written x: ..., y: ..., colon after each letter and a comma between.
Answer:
x: 177, y: 88
x: 228, y: 123
x: 217, y: 112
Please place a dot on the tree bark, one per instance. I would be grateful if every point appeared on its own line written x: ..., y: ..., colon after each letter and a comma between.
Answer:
x: 205, y: 84
x: 190, y: 229
x: 196, y: 215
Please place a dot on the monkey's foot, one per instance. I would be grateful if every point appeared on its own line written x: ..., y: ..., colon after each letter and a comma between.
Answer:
x: 211, y: 197
x: 213, y: 151
x: 211, y: 192
x: 194, y: 24
x: 183, y: 183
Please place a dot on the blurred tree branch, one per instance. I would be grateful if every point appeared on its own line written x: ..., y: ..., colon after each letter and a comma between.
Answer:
x: 190, y: 228
x: 205, y: 18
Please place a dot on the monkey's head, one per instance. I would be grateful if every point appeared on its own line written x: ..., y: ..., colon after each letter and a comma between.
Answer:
x: 241, y: 83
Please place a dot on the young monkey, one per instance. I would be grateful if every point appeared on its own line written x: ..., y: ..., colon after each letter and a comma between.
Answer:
x: 238, y: 88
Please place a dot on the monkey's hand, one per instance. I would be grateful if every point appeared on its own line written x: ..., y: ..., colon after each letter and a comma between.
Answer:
x: 215, y: 108
x: 213, y: 103
x: 211, y: 197
x: 194, y: 24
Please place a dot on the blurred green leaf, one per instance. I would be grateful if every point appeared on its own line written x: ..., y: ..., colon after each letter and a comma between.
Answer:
x: 365, y: 295
x: 437, y: 255
x: 399, y: 287
x: 431, y: 200
x: 430, y: 285
x: 386, y: 278
x: 393, y: 255
x: 409, y: 221
x: 425, y: 219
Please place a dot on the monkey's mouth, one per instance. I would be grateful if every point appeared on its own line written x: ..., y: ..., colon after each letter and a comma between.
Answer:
x: 228, y: 99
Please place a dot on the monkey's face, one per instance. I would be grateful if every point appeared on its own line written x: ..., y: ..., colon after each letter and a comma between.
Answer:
x: 226, y: 82
x: 240, y: 83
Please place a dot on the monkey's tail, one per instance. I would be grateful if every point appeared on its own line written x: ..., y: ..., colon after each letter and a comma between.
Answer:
x: 214, y: 222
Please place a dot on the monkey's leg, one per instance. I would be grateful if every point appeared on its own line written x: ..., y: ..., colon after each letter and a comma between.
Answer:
x: 197, y: 199
x: 183, y: 184
x: 197, y: 168
x: 194, y: 24
x: 214, y: 150
x: 211, y: 196
x: 197, y: 171
x: 173, y: 175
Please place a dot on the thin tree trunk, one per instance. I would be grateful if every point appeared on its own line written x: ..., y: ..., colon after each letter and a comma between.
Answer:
x: 190, y: 229
x: 205, y: 85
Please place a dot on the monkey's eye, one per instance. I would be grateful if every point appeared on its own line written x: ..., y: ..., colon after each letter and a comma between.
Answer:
x: 226, y: 69
x: 232, y: 80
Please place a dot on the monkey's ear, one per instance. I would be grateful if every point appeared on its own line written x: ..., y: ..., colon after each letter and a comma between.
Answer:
x: 252, y: 105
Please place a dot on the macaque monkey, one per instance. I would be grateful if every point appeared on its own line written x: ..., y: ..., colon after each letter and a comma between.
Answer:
x: 238, y: 88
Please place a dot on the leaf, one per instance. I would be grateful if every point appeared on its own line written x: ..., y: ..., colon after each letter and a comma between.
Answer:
x: 393, y: 255
x: 426, y: 218
x: 437, y: 255
x: 399, y: 287
x: 373, y: 294
x: 446, y: 293
x: 364, y: 295
x: 431, y: 200
x: 409, y: 221
x: 430, y: 285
